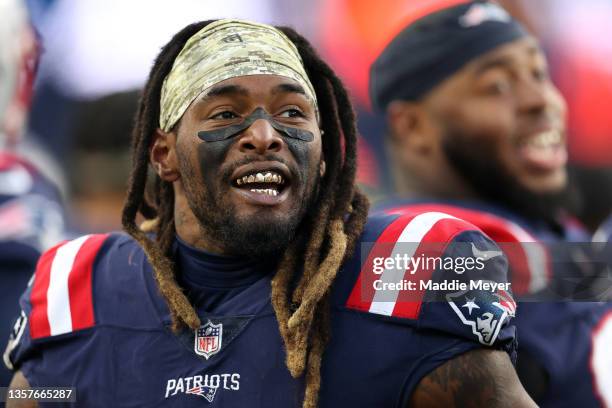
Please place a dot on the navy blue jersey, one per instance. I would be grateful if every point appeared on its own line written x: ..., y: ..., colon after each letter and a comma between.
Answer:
x: 569, y: 340
x: 31, y: 220
x: 93, y: 319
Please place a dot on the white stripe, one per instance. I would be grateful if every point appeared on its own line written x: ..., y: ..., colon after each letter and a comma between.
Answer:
x: 535, y: 253
x: 58, y: 301
x: 384, y: 300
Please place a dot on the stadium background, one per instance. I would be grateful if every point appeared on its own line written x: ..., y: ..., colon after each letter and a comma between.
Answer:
x: 97, y: 53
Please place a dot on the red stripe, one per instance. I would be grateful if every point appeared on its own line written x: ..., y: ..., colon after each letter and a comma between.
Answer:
x: 39, y: 322
x: 433, y: 245
x: 80, y: 280
x: 498, y: 230
x: 363, y: 292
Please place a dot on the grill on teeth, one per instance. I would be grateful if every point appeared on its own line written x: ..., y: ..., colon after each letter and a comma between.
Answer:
x: 268, y: 177
x: 268, y: 191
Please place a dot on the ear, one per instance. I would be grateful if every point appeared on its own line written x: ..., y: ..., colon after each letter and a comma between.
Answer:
x: 408, y: 125
x: 163, y: 155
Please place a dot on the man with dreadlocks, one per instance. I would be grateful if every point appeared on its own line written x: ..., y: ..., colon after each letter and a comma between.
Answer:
x: 224, y: 293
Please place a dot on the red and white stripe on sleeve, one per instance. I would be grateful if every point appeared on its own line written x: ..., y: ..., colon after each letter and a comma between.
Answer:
x: 429, y: 233
x: 62, y: 297
x: 529, y: 259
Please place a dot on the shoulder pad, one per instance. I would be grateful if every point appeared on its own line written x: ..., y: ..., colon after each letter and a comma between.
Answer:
x: 61, y: 296
x: 445, y: 275
x: 529, y: 259
x: 413, y: 231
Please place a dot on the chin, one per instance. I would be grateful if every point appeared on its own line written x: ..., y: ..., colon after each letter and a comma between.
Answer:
x: 546, y: 184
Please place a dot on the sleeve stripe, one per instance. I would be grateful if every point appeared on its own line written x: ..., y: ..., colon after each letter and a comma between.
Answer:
x: 530, y: 261
x: 429, y: 228
x: 58, y: 299
x: 384, y: 301
x: 433, y: 244
x: 39, y: 323
x: 363, y: 291
x: 62, y: 299
x: 80, y: 283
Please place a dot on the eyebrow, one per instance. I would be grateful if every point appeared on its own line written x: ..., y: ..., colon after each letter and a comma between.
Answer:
x: 495, y: 62
x: 224, y: 90
x: 288, y: 88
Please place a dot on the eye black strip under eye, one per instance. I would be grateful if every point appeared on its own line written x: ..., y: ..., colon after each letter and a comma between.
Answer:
x: 234, y: 130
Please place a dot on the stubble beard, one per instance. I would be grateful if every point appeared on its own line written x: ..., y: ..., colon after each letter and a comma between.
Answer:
x: 258, y: 236
x: 481, y: 168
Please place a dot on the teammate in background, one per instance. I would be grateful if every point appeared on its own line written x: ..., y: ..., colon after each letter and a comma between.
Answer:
x: 476, y: 129
x: 31, y: 218
x: 254, y: 215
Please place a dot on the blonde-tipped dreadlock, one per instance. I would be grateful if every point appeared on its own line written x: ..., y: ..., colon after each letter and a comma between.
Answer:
x: 319, y: 250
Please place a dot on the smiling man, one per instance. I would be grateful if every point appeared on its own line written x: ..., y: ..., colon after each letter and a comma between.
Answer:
x: 224, y: 295
x: 476, y: 129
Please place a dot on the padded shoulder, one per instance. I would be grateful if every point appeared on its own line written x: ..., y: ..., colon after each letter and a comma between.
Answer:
x: 529, y: 258
x: 61, y: 298
x: 409, y: 233
x: 434, y: 271
x: 88, y: 282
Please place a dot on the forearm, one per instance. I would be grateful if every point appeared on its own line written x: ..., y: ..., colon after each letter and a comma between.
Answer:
x: 19, y: 382
x: 478, y: 378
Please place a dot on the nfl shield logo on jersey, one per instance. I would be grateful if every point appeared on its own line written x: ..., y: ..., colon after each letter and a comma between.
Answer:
x: 208, y: 339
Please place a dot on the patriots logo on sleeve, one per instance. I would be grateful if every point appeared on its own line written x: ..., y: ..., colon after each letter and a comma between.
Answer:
x: 484, y: 311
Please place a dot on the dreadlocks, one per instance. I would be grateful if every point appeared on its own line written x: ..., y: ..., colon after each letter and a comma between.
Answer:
x: 321, y: 245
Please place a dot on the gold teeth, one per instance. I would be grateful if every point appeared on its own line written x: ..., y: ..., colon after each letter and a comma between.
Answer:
x: 268, y: 177
x: 268, y: 191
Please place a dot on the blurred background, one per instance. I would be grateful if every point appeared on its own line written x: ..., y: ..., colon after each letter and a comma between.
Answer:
x: 97, y: 53
x: 95, y: 56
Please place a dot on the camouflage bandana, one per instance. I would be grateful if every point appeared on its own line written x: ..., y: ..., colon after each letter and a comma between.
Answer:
x: 227, y: 49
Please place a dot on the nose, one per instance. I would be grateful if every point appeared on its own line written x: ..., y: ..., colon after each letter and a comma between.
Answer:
x: 533, y: 96
x: 260, y: 138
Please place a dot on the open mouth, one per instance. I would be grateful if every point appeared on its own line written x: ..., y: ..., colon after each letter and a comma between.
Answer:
x: 545, y: 150
x: 268, y: 182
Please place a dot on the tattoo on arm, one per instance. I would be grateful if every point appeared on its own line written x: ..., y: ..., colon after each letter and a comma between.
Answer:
x: 478, y: 378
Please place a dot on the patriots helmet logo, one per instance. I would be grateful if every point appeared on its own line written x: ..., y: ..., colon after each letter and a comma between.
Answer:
x: 479, y: 13
x: 208, y: 393
x: 208, y: 339
x: 483, y: 311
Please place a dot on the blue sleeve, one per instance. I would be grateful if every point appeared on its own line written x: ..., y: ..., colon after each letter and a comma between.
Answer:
x: 474, y: 311
x: 477, y: 305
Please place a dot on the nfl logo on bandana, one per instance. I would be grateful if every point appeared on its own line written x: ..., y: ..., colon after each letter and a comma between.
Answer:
x: 208, y: 339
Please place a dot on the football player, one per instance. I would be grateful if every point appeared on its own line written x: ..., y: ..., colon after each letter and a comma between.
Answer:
x: 476, y: 128
x: 31, y: 216
x: 247, y: 285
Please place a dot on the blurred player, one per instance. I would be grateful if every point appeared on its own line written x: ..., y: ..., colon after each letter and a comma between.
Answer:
x: 477, y: 129
x: 31, y: 218
x: 254, y: 215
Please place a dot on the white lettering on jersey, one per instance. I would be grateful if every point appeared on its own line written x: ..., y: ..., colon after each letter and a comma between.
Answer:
x: 205, y: 386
